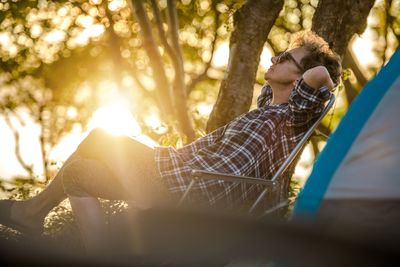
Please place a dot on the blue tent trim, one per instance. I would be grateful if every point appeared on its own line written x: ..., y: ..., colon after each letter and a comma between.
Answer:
x: 344, y: 136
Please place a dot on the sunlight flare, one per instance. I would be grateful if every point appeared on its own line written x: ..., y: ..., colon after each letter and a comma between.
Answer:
x: 116, y: 118
x: 154, y: 122
x: 204, y: 109
x: 363, y: 47
x: 221, y: 55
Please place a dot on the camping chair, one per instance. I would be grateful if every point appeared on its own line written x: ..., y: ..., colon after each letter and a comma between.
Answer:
x: 279, y: 183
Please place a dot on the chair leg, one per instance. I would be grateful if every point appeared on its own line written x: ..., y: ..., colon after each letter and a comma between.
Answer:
x: 258, y: 200
x: 277, y: 207
x: 186, y: 192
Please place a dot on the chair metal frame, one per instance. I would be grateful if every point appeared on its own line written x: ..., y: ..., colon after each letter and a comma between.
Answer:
x: 273, y: 183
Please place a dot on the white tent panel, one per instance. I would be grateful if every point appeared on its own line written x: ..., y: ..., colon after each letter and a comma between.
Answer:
x: 371, y: 169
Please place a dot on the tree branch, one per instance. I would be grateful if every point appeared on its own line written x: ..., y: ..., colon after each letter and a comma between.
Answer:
x: 161, y: 32
x: 337, y: 21
x: 351, y: 92
x: 179, y: 88
x: 388, y: 3
x: 173, y: 29
x: 167, y: 98
x: 324, y: 129
x: 203, y: 75
x: 42, y: 142
x: 119, y: 62
x: 314, y: 145
x: 164, y: 97
x: 349, y: 61
x: 115, y: 46
x: 17, y: 148
x: 141, y: 86
x: 252, y: 24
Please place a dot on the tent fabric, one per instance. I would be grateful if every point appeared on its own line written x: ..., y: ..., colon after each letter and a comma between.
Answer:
x: 361, y: 157
x: 371, y: 167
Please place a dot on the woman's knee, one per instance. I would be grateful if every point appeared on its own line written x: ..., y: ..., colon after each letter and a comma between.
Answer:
x: 75, y: 179
x: 93, y: 143
x: 91, y: 178
x: 97, y: 133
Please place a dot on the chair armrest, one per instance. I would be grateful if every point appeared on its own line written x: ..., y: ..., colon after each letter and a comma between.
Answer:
x: 199, y: 174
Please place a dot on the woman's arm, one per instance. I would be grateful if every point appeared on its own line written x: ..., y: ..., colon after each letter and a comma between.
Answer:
x: 318, y: 77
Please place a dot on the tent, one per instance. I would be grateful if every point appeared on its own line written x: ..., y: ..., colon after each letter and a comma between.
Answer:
x: 356, y: 179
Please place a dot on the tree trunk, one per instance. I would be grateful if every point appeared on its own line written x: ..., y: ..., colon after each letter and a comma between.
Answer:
x: 173, y: 102
x: 179, y: 86
x: 252, y: 24
x: 156, y: 63
x: 337, y: 21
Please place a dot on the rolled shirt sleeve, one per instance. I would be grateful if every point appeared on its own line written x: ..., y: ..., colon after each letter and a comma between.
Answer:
x: 305, y: 103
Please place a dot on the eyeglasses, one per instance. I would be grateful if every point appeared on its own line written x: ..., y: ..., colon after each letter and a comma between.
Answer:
x: 287, y: 56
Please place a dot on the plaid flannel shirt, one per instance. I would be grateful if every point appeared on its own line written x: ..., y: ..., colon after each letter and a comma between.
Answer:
x: 254, y: 144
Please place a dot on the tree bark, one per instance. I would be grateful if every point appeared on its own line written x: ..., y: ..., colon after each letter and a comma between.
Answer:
x: 156, y: 63
x: 179, y: 86
x: 115, y: 50
x: 337, y: 21
x: 174, y: 52
x: 252, y: 24
x: 173, y: 102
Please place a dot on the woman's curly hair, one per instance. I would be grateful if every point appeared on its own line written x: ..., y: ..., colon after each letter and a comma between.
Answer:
x: 319, y: 53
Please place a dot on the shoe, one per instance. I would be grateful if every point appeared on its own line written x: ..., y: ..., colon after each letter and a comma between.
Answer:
x: 6, y: 220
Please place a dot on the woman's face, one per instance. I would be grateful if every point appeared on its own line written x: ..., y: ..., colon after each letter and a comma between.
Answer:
x: 286, y: 67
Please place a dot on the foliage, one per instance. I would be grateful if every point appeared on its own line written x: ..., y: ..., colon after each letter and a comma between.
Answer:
x: 385, y: 25
x: 57, y: 56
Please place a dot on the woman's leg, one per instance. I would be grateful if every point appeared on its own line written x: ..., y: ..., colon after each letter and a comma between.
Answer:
x: 30, y: 213
x: 91, y: 223
x: 131, y: 163
x: 127, y: 160
x: 84, y: 180
x: 118, y: 168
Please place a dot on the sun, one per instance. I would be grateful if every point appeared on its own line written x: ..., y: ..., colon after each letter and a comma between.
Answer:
x: 116, y: 118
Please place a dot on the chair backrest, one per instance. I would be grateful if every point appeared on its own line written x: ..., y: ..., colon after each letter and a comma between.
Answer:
x: 304, y: 139
x: 285, y: 172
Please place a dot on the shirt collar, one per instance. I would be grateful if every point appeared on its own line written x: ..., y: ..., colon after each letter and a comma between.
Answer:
x: 268, y: 97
